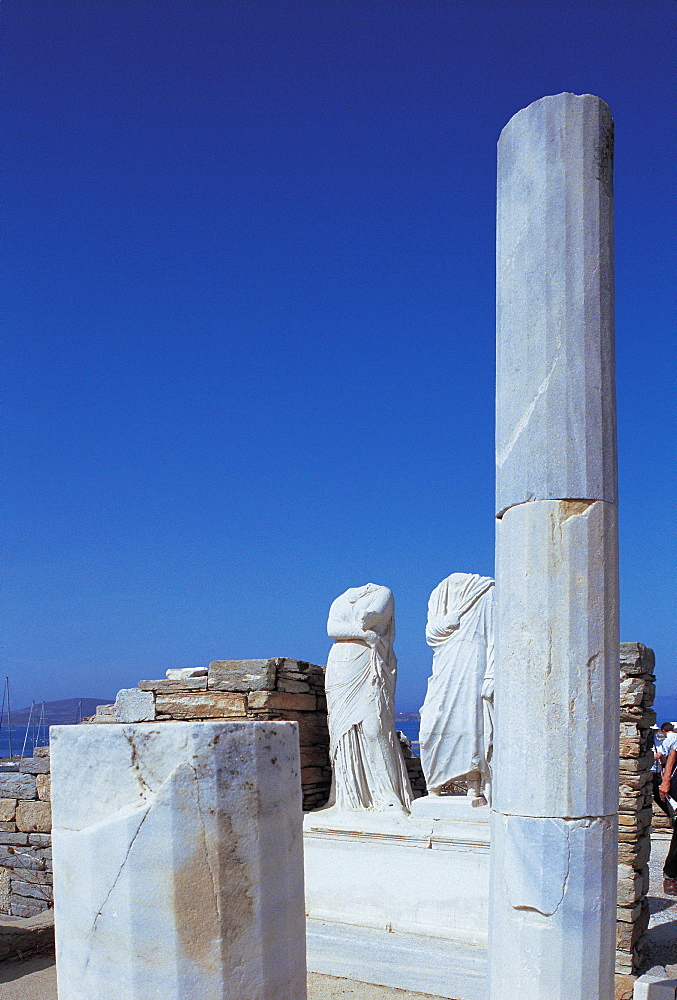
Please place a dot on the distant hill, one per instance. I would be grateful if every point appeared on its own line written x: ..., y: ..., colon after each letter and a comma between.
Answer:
x: 59, y: 713
x: 407, y: 716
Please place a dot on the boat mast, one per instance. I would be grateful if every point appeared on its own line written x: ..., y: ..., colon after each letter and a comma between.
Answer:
x: 41, y: 726
x: 9, y: 720
x: 28, y: 729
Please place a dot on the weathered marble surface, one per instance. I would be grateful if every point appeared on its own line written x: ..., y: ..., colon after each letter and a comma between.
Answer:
x: 132, y: 705
x: 440, y: 968
x: 369, y: 770
x: 649, y: 987
x: 456, y: 732
x: 178, y: 868
x: 554, y: 833
x: 551, y: 932
x: 400, y: 899
x: 555, y: 389
x: 557, y: 646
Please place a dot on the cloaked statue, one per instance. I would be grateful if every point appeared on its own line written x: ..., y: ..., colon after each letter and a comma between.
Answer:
x: 369, y: 770
x: 456, y: 730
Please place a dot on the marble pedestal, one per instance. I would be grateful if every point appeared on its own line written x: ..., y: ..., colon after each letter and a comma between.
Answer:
x: 178, y: 868
x: 400, y: 900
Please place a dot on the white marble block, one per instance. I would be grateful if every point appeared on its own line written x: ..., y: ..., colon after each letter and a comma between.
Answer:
x: 557, y: 645
x: 132, y: 705
x: 178, y: 861
x: 555, y: 397
x: 649, y: 988
x: 552, y: 932
x: 400, y: 899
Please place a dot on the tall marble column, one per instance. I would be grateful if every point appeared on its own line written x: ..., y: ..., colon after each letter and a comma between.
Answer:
x: 552, y: 917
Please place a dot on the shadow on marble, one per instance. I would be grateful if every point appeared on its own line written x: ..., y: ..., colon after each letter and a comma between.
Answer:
x: 659, y: 903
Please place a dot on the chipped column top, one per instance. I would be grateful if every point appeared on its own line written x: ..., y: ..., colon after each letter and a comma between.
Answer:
x: 555, y: 388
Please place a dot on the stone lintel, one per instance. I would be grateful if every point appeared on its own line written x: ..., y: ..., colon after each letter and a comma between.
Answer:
x: 242, y: 675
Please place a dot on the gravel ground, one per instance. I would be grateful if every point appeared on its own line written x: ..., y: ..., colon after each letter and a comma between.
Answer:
x: 31, y: 980
x: 36, y: 980
x: 663, y: 923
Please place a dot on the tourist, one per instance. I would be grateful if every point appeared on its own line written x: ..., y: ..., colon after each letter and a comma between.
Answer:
x: 657, y: 767
x: 667, y: 788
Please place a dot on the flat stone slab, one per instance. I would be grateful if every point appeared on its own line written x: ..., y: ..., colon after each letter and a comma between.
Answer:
x: 23, y: 936
x: 407, y: 962
x: 451, y: 808
x: 399, y: 900
x: 242, y: 675
x: 202, y: 705
x: 18, y: 786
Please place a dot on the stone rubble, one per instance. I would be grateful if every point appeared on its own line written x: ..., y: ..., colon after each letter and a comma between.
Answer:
x: 278, y: 689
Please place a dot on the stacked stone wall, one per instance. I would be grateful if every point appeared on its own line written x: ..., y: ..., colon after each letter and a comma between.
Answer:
x: 232, y: 690
x: 25, y: 837
x: 414, y: 767
x: 635, y: 804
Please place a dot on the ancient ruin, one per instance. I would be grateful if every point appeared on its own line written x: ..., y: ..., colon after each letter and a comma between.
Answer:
x: 554, y: 837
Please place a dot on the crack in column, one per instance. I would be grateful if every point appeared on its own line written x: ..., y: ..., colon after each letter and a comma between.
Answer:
x: 522, y: 423
x: 115, y: 881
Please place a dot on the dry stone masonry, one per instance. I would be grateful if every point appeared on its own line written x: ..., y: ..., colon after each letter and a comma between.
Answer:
x: 412, y: 762
x: 635, y: 804
x: 261, y: 690
x: 25, y: 837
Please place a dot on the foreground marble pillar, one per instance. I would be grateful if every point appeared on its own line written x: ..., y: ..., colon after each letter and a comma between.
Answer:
x: 552, y: 896
x: 178, y: 861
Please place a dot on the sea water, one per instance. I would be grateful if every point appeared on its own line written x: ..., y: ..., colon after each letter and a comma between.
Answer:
x: 410, y: 729
x: 41, y: 738
x: 24, y: 740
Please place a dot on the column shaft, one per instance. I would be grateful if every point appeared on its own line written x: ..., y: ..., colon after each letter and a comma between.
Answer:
x: 554, y: 830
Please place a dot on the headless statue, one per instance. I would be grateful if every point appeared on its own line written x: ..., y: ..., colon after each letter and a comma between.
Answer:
x: 369, y: 771
x: 456, y: 730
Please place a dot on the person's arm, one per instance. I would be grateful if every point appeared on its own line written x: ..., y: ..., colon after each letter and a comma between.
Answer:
x: 664, y: 788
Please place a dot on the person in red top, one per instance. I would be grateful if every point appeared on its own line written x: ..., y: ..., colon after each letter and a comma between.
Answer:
x: 668, y: 787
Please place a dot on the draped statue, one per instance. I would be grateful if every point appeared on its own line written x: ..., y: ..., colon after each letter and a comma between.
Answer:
x: 369, y: 770
x: 456, y: 730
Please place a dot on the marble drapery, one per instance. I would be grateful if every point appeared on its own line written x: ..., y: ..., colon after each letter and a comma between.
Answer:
x: 456, y: 731
x: 369, y: 771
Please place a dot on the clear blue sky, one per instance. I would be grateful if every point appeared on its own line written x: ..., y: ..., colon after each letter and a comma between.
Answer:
x: 248, y: 313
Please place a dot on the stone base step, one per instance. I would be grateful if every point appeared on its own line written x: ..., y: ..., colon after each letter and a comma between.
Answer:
x: 434, y: 966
